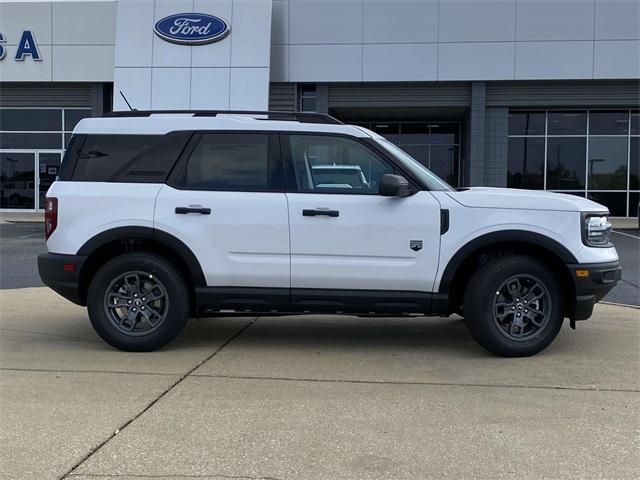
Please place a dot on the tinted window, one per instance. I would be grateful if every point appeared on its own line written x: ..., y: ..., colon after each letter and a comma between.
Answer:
x: 73, y: 116
x: 635, y: 123
x: 29, y: 119
x: 566, y: 163
x: 229, y: 161
x: 634, y: 164
x: 609, y: 123
x: 607, y: 163
x: 526, y: 123
x: 567, y: 123
x: 30, y: 140
x: 526, y: 163
x: 336, y: 164
x: 101, y: 156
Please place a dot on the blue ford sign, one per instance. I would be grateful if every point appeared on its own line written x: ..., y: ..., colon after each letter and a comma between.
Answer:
x: 191, y: 28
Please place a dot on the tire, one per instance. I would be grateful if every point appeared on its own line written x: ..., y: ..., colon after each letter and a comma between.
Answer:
x: 500, y: 316
x: 119, y: 288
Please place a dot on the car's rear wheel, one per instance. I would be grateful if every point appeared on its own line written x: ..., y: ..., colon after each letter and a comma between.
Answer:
x: 138, y: 302
x: 513, y: 306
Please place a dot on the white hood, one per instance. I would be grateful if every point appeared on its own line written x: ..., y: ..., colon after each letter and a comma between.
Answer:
x: 489, y: 197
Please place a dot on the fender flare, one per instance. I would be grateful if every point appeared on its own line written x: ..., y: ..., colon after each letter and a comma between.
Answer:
x: 503, y: 236
x: 148, y: 233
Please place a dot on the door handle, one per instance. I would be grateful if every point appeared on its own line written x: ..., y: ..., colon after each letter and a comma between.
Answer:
x: 200, y: 210
x: 320, y: 211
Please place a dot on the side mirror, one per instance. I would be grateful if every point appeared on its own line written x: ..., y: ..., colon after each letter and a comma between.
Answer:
x: 394, y: 186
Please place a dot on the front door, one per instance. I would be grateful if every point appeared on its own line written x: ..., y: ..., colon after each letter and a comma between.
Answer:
x: 226, y: 203
x: 348, y: 241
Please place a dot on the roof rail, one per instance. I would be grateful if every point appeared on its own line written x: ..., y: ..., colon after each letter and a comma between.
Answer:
x: 302, y: 117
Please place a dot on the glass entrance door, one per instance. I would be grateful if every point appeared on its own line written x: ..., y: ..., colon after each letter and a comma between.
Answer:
x: 48, y: 166
x: 17, y: 180
x: 25, y: 177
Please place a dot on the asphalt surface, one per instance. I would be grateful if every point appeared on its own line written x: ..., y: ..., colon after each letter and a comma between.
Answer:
x: 316, y: 397
x: 20, y: 244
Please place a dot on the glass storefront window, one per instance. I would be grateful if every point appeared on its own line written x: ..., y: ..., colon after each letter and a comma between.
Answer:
x: 609, y: 123
x: 73, y: 115
x: 634, y: 164
x: 607, y: 163
x: 526, y: 163
x: 30, y: 119
x: 17, y: 180
x: 565, y: 163
x: 390, y: 131
x: 567, y: 123
x: 443, y: 134
x: 635, y: 123
x: 616, y: 202
x: 30, y: 140
x: 526, y: 123
x: 414, y: 133
x: 444, y: 162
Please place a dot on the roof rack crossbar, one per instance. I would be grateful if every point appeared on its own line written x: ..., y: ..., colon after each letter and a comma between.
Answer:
x: 302, y: 117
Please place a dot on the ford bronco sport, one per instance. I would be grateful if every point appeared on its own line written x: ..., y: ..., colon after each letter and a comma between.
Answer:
x: 159, y: 216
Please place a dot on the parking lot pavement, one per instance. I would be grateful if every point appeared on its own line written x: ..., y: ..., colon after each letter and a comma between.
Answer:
x: 313, y: 397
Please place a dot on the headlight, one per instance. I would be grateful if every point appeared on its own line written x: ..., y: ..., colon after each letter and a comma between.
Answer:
x: 596, y: 230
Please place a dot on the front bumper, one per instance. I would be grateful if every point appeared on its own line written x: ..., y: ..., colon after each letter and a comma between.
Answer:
x: 61, y: 273
x: 599, y: 279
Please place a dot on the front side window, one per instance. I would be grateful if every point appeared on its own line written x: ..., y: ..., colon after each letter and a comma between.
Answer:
x: 326, y: 164
x: 229, y: 161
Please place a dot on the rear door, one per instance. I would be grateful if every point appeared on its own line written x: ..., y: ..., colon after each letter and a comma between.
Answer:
x: 225, y: 201
x: 350, y: 246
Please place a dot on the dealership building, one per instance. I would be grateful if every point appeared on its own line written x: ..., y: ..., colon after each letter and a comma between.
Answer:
x: 539, y: 94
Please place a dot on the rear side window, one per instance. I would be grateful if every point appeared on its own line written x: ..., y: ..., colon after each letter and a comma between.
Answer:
x: 229, y: 161
x: 101, y: 156
x: 124, y: 158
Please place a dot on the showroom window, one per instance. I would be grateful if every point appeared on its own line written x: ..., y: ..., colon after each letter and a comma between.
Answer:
x: 38, y: 128
x: 436, y: 145
x: 592, y: 153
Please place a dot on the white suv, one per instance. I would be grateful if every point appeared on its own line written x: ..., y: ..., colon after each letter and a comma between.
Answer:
x: 159, y: 216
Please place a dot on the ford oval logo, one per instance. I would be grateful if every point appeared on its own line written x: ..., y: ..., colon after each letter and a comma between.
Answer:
x: 191, y: 28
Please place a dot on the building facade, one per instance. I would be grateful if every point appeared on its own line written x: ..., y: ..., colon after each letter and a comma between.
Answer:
x: 541, y: 94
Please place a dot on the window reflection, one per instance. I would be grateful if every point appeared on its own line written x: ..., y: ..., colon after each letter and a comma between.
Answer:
x: 526, y: 163
x: 607, y: 163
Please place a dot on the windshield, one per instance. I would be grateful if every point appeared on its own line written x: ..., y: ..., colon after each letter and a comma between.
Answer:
x: 430, y: 179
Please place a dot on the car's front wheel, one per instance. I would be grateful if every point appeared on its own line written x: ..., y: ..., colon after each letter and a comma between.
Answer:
x: 138, y: 302
x: 513, y: 306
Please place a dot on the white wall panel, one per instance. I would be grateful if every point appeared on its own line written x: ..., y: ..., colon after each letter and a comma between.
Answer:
x: 27, y: 70
x: 617, y: 19
x: 279, y: 63
x: 135, y: 83
x: 555, y: 20
x: 280, y: 22
x: 90, y: 63
x: 135, y: 45
x: 617, y: 59
x: 249, y: 89
x: 400, y: 21
x: 325, y: 63
x: 476, y: 61
x: 477, y: 21
x: 170, y: 88
x: 387, y: 62
x: 167, y: 54
x: 84, y: 23
x: 216, y: 54
x: 325, y: 21
x: 554, y: 60
x: 18, y: 16
x: 253, y: 45
x: 210, y: 88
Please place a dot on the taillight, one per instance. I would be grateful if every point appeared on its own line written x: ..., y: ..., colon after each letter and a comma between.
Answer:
x: 50, y: 216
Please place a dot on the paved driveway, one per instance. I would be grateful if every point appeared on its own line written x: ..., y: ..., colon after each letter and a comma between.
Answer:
x: 313, y: 398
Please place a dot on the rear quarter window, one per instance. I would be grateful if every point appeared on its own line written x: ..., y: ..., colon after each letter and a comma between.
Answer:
x: 123, y: 158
